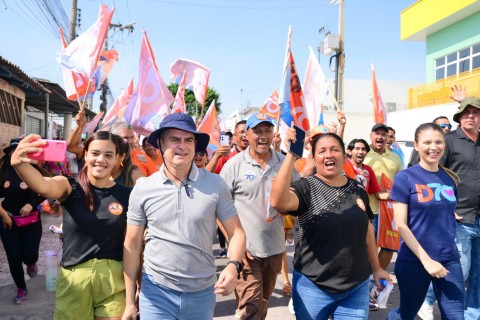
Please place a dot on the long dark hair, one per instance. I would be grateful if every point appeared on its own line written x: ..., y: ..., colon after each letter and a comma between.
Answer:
x: 127, y: 167
x: 436, y: 127
x: 83, y: 181
x: 5, y: 164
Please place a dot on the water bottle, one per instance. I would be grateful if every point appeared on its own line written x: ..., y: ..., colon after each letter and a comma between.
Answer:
x: 381, y: 294
x: 51, y: 262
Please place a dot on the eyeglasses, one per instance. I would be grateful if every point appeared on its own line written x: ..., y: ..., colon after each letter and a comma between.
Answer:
x: 445, y: 125
x: 199, y: 154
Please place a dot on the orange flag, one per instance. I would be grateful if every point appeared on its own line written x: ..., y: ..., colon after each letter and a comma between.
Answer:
x: 210, y: 125
x: 379, y: 111
x: 271, y: 107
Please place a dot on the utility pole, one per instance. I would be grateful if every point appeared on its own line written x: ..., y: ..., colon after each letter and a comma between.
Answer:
x: 73, y: 21
x: 340, y: 58
x: 104, y: 87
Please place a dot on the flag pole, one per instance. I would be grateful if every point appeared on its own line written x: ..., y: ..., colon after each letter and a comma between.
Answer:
x: 277, y: 128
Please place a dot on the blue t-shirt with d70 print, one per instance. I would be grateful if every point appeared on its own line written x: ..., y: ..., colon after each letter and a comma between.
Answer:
x: 431, y: 198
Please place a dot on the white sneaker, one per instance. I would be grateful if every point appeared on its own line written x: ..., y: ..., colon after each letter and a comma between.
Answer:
x: 290, y: 306
x: 426, y: 312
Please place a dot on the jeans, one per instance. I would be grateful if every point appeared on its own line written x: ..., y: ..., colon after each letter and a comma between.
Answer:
x: 159, y: 302
x: 467, y: 238
x: 413, y: 282
x: 311, y: 302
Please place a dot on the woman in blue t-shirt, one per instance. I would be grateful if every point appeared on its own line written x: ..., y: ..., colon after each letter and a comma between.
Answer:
x: 425, y: 196
x: 90, y: 282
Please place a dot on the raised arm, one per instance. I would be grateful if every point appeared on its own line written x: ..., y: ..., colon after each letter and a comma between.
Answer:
x: 212, y: 164
x: 281, y: 197
x: 74, y: 140
x: 54, y: 188
x: 342, y: 122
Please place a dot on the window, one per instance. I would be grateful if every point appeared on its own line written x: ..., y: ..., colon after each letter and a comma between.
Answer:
x: 464, y: 60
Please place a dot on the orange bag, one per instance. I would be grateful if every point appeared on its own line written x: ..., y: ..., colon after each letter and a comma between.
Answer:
x: 387, y: 235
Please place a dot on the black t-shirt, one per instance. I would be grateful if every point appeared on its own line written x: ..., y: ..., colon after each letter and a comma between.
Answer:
x: 17, y: 194
x: 331, y: 247
x: 99, y: 234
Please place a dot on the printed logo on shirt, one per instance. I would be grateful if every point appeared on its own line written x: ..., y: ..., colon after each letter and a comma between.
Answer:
x: 142, y: 158
x: 115, y: 208
x: 249, y: 176
x: 361, y: 204
x: 23, y: 185
x: 427, y: 192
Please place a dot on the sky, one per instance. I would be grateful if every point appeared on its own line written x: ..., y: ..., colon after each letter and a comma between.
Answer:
x: 242, y: 42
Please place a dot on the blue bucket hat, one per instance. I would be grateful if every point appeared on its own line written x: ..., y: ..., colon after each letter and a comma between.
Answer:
x: 180, y: 121
x: 257, y: 118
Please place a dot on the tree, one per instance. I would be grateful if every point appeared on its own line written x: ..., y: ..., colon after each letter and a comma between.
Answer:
x: 193, y: 107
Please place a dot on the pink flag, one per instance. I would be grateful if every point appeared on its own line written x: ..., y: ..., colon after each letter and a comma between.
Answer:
x: 104, y: 66
x: 75, y: 84
x: 210, y: 125
x: 315, y: 89
x: 82, y: 54
x: 121, y: 102
x: 179, y: 102
x: 271, y: 107
x: 90, y: 126
x: 196, y: 77
x: 151, y: 97
x: 379, y: 110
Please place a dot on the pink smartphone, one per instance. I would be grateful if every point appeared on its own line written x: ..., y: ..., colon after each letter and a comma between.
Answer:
x: 53, y: 151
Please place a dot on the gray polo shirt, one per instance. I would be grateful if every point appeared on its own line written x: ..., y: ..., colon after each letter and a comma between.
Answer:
x: 250, y: 186
x: 180, y: 227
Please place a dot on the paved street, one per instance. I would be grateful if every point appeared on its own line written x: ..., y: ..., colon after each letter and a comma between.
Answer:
x: 40, y: 303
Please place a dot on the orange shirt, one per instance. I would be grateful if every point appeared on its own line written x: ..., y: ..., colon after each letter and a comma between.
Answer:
x: 159, y: 161
x: 143, y: 162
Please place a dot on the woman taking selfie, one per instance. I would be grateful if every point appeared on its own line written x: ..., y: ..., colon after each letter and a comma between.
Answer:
x: 21, y: 241
x: 90, y: 282
x: 335, y: 249
x: 425, y: 196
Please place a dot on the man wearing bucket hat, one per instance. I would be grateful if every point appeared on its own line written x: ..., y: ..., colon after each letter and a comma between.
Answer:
x: 462, y: 155
x: 178, y: 207
x: 249, y: 176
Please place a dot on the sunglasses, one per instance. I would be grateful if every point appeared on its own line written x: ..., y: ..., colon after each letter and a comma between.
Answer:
x: 445, y: 125
x: 199, y: 154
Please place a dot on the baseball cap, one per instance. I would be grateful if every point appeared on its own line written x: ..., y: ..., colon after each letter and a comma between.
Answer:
x: 379, y: 126
x: 257, y: 118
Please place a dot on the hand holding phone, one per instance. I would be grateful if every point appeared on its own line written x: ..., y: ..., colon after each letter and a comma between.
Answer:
x: 224, y: 140
x: 53, y: 150
x: 296, y: 147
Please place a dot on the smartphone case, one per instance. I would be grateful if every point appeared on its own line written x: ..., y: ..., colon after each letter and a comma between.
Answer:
x: 54, y: 151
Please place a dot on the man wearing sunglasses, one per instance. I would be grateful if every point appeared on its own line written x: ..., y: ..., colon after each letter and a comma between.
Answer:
x: 444, y: 123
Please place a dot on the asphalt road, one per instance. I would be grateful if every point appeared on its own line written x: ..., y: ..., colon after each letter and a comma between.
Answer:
x: 40, y: 303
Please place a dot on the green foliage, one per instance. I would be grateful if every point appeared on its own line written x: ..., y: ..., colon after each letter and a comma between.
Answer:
x: 192, y: 104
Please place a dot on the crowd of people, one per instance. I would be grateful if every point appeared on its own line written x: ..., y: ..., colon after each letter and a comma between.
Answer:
x: 139, y: 218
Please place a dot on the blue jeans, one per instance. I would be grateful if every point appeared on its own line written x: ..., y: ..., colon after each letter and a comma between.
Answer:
x: 159, y: 302
x: 467, y: 238
x: 311, y: 302
x: 414, y: 280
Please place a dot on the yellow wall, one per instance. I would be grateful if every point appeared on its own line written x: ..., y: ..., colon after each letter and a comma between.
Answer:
x: 424, y: 13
